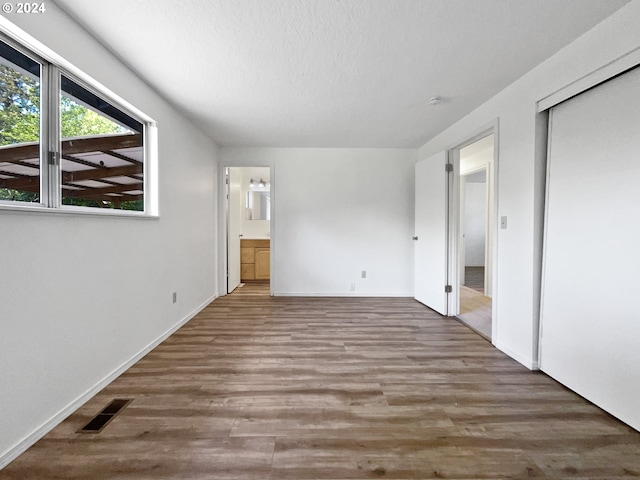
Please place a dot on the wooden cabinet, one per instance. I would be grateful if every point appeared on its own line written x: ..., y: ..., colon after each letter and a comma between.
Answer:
x: 255, y: 260
x: 247, y: 272
x: 263, y: 263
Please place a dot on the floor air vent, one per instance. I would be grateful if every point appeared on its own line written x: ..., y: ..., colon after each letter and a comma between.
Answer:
x: 97, y: 423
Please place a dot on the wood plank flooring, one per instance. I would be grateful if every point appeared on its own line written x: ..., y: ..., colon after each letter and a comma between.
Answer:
x: 259, y: 387
x: 475, y: 311
x: 474, y: 278
x: 256, y: 287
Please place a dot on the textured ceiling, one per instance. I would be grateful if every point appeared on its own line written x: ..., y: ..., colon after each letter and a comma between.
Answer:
x: 333, y: 73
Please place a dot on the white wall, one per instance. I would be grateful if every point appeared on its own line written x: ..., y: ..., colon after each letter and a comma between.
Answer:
x: 80, y: 296
x: 338, y: 212
x: 520, y: 184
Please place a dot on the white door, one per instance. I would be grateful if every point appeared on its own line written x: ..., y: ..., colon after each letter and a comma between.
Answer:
x: 234, y: 228
x: 590, y: 333
x: 431, y: 211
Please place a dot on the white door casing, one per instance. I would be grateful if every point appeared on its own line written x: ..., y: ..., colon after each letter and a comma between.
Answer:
x: 461, y: 232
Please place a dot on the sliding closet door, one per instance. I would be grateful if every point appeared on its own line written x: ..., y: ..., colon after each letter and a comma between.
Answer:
x: 591, y: 289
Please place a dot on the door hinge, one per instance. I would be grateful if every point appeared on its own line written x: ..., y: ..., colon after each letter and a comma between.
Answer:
x: 448, y: 289
x: 448, y: 167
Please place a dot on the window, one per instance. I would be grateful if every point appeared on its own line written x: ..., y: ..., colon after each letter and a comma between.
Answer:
x: 102, y: 152
x: 20, y: 99
x: 64, y: 144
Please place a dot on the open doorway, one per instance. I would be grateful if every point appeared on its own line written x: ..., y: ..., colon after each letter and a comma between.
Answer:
x: 475, y: 238
x: 248, y: 230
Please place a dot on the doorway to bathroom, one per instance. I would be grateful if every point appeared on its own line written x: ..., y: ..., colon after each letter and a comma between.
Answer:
x: 248, y: 230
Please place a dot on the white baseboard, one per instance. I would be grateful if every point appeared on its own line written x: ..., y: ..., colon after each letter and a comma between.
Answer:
x: 527, y: 362
x: 343, y: 294
x: 15, y: 451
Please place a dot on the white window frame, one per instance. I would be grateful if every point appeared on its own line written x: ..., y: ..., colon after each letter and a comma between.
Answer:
x: 53, y: 66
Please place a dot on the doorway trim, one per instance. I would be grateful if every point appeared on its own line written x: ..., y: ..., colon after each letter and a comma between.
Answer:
x: 487, y: 230
x: 454, y: 219
x: 223, y: 212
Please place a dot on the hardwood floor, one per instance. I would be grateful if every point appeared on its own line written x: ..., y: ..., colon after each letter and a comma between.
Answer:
x: 256, y: 287
x: 475, y: 311
x: 259, y: 387
x: 474, y: 278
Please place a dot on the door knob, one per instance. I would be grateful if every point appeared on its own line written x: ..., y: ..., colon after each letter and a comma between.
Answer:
x: 415, y: 237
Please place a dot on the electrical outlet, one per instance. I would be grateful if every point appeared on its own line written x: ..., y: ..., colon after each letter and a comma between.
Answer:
x: 503, y: 223
x: 175, y: 297
x: 364, y: 274
x: 353, y: 287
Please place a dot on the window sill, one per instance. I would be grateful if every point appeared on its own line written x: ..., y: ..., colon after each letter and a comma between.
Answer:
x: 72, y: 211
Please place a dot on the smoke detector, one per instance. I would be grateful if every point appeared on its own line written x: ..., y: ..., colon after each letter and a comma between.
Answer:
x: 435, y: 100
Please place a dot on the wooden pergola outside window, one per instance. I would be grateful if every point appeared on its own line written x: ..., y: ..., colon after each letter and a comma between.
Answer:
x: 107, y: 169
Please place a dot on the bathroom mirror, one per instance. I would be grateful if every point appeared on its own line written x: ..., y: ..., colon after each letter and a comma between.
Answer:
x: 258, y: 205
